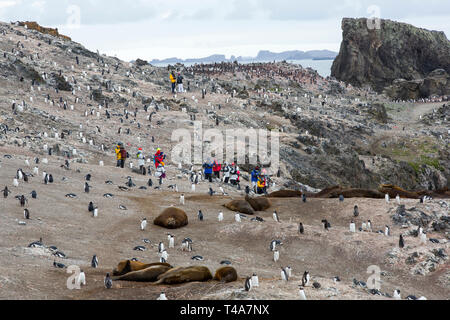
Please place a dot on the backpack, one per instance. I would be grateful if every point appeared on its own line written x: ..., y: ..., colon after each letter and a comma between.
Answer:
x: 124, y: 153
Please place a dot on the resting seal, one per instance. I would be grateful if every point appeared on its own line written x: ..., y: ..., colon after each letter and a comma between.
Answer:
x: 172, y: 218
x: 226, y: 274
x: 184, y: 275
x: 241, y: 206
x: 259, y: 204
x: 149, y: 274
x: 127, y: 266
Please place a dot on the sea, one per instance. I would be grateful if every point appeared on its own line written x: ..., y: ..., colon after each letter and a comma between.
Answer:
x: 323, y: 67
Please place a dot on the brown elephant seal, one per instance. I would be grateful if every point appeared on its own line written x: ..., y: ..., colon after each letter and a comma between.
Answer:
x: 240, y: 206
x: 285, y: 194
x: 184, y: 275
x: 149, y: 274
x: 226, y: 274
x: 259, y: 204
x: 127, y: 266
x: 172, y: 218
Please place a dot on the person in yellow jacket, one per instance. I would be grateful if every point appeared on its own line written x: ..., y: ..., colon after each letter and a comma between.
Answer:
x: 173, y: 80
x: 261, y: 184
x: 118, y: 155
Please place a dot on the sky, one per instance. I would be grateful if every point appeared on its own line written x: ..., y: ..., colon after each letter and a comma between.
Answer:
x: 158, y: 29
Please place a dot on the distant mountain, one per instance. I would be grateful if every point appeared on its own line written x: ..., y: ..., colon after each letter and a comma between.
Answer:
x: 262, y: 56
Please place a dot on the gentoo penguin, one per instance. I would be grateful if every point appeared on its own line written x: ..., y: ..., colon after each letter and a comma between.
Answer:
x: 255, y: 280
x: 304, y: 198
x: 26, y: 214
x: 139, y: 248
x: 197, y: 258
x: 34, y: 194
x: 162, y: 296
x: 143, y: 224
x: 355, y: 211
x: 95, y: 213
x: 91, y: 207
x: 305, y: 279
x: 369, y: 225
x: 397, y: 198
x: 94, y: 261
x: 108, y: 282
x: 182, y: 199
x: 248, y: 284
x: 86, y: 187
x: 352, y: 227
x: 164, y: 255
x: 397, y: 295
x: 284, y: 275
x: 386, y: 197
x: 150, y: 183
x: 387, y: 231
x: 6, y: 192
x: 200, y: 215
x: 326, y: 224
x: 211, y: 191
x: 171, y: 241
x: 423, y: 237
x: 122, y: 207
x: 273, y: 245
x: 401, y: 242
x: 88, y: 177
x: 15, y: 182
x: 276, y: 255
x: 301, y: 292
x: 275, y: 216
x: 81, y: 279
x: 237, y: 217
x: 50, y: 178
x: 220, y: 216
x: 301, y: 229
x: 193, y: 187
x: 161, y: 247
x: 58, y: 265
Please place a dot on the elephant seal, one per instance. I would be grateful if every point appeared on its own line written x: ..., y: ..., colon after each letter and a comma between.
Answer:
x: 127, y: 266
x: 183, y: 275
x: 285, y: 194
x: 172, y: 218
x: 149, y: 274
x: 226, y: 274
x: 240, y: 206
x: 259, y: 204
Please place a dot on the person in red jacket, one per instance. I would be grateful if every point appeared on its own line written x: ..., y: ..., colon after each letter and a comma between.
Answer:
x: 216, y: 169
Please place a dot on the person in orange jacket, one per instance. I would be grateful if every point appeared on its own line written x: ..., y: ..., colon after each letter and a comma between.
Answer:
x: 173, y: 80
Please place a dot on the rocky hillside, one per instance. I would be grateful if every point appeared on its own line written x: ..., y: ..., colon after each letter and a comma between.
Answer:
x: 377, y: 57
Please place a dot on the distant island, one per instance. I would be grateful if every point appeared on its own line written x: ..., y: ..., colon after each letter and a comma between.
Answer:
x: 262, y: 56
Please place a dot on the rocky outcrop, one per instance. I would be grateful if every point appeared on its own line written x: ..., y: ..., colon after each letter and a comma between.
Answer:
x: 35, y: 26
x: 377, y: 57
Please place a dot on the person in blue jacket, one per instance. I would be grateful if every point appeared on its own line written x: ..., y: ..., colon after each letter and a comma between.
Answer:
x: 208, y: 166
x: 255, y: 173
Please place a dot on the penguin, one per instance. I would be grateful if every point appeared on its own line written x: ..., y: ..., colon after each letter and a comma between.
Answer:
x: 369, y: 225
x: 275, y: 216
x: 423, y: 238
x: 356, y: 211
x: 6, y: 192
x: 150, y: 183
x: 301, y: 229
x: 26, y: 214
x: 211, y: 192
x: 88, y: 177
x: 50, y: 178
x: 36, y: 244
x: 171, y: 239
x: 387, y: 231
x: 305, y: 279
x: 46, y: 179
x: 91, y: 207
x: 336, y: 279
x: 34, y: 194
x: 72, y: 196
x: 326, y: 224
x: 200, y: 215
x: 164, y: 255
x: 225, y: 262
x: 276, y: 255
x: 220, y: 216
x: 15, y: 182
x: 161, y: 247
x: 248, y: 284
x: 193, y: 187
x: 162, y: 297
x: 108, y: 282
x: 94, y: 261
x: 182, y: 200
x: 273, y: 245
x: 197, y: 258
x: 397, y: 295
x: 284, y: 275
x: 255, y: 280
x: 58, y: 265
x: 352, y: 227
x: 341, y: 198
x: 401, y: 242
x: 23, y: 200
x: 143, y: 224
x: 108, y: 195
x: 237, y: 217
x: 139, y: 248
x: 301, y: 293
x: 59, y: 254
x: 304, y: 198
x: 247, y: 190
x: 81, y: 279
x: 397, y: 199
x: 86, y: 187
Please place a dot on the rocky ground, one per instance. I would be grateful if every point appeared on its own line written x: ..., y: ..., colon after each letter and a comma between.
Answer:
x: 330, y: 134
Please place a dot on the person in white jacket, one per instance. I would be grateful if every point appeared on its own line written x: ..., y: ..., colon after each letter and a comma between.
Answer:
x: 141, y: 159
x: 160, y: 173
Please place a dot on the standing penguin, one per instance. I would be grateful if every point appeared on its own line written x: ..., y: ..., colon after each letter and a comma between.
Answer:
x: 34, y: 194
x: 353, y: 227
x: 387, y: 231
x: 301, y: 293
x: 386, y: 198
x: 162, y: 297
x: 397, y: 295
x: 161, y: 247
x: 15, y: 182
x: 200, y: 215
x: 284, y: 275
x: 81, y: 279
x: 341, y: 198
x: 237, y: 217
x: 255, y: 280
x: 171, y: 239
x: 301, y: 229
x: 275, y: 217
x: 356, y: 211
x: 86, y: 187
x: 95, y: 213
x: 6, y: 192
x: 248, y: 284
x: 305, y: 279
x: 423, y: 238
x: 304, y: 198
x: 94, y: 261
x: 397, y: 199
x: 220, y: 216
x: 143, y: 224
x: 91, y: 206
x: 182, y: 200
x: 401, y: 242
x: 108, y: 282
x: 26, y: 214
x: 276, y: 255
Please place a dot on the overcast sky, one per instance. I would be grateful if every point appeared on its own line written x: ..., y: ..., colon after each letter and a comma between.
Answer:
x: 151, y: 29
